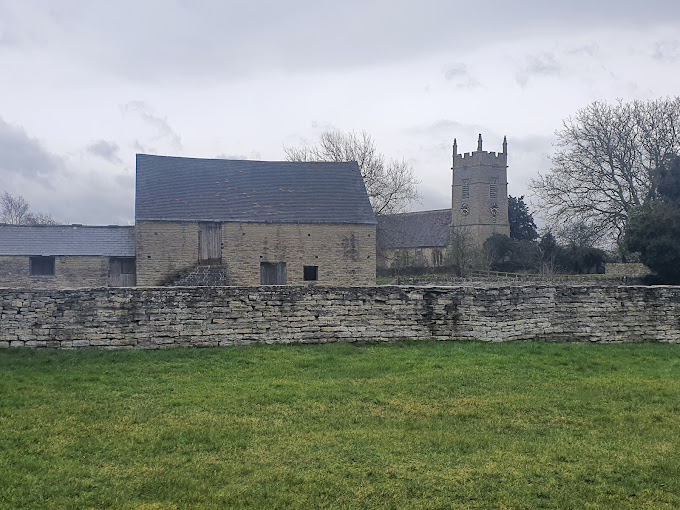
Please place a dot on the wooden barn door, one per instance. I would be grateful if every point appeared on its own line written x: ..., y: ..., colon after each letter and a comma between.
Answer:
x: 122, y: 272
x: 209, y: 244
x: 273, y: 273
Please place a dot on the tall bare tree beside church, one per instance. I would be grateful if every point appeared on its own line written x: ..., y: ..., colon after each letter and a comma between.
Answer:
x: 391, y: 185
x: 605, y: 162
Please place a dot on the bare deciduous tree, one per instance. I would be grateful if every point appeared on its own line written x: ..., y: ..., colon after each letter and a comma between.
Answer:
x: 463, y: 254
x: 14, y: 210
x: 391, y: 185
x: 604, y: 164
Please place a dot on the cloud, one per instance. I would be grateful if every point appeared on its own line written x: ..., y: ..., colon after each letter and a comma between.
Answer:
x: 23, y: 156
x: 540, y: 64
x: 69, y: 188
x: 590, y: 49
x: 433, y: 197
x: 105, y: 150
x: 458, y: 74
x: 160, y: 124
x: 445, y: 127
x: 667, y: 51
x: 254, y: 156
x: 200, y: 41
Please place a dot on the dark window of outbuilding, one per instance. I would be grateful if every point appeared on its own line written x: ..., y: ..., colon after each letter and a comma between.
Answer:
x: 310, y: 273
x: 273, y: 273
x: 41, y: 266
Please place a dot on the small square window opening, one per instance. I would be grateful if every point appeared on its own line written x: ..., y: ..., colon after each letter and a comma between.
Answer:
x: 310, y: 273
x: 41, y: 266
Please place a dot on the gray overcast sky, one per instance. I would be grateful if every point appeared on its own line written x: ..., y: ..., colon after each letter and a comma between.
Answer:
x: 87, y: 84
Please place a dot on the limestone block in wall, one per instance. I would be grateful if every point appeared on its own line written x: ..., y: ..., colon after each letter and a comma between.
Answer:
x: 162, y: 317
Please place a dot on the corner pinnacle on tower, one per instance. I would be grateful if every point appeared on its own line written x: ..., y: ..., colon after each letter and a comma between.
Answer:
x: 479, y: 143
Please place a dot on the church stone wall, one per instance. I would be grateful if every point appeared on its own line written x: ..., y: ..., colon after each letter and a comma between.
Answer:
x: 413, y: 258
x: 161, y: 317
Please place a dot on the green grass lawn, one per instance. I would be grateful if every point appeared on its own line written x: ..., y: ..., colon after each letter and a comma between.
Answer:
x: 409, y: 425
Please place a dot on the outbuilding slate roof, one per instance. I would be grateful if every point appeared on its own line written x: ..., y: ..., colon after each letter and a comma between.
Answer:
x: 190, y: 189
x: 425, y: 229
x: 111, y: 241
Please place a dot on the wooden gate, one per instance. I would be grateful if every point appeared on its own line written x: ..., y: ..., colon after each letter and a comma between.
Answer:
x: 209, y: 244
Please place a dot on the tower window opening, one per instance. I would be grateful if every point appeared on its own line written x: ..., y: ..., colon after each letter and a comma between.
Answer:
x: 493, y: 189
x: 466, y: 188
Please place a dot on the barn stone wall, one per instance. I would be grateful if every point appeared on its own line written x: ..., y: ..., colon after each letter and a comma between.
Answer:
x: 344, y: 254
x: 69, y: 272
x: 164, y: 249
x: 221, y: 316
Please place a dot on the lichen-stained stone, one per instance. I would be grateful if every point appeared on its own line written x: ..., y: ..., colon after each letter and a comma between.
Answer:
x: 150, y: 318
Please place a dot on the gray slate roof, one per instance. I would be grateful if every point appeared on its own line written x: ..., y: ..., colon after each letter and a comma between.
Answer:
x: 110, y: 241
x: 425, y: 229
x: 190, y: 189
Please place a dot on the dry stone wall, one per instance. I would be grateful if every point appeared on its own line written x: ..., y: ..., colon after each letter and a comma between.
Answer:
x: 157, y: 317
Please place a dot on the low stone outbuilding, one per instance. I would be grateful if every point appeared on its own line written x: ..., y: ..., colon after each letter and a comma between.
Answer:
x: 66, y: 256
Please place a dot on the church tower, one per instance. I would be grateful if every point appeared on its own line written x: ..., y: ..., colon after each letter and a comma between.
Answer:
x: 480, y: 192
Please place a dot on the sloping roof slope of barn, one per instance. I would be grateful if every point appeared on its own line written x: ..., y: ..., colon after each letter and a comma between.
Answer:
x: 425, y: 229
x: 190, y: 189
x: 113, y: 241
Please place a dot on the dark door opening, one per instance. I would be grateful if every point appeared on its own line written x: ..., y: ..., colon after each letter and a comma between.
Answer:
x: 122, y: 272
x: 273, y: 273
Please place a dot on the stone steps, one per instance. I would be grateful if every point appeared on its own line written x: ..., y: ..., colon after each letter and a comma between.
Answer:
x: 202, y: 276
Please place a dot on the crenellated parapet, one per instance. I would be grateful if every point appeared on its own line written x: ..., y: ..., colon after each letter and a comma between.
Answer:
x: 480, y: 157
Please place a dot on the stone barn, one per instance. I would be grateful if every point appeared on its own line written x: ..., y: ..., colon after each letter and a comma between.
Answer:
x: 252, y: 222
x: 66, y: 256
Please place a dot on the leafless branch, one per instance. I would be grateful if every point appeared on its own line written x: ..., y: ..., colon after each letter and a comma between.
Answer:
x: 604, y: 164
x: 391, y: 185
